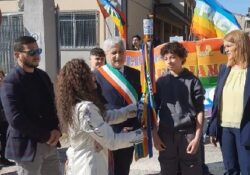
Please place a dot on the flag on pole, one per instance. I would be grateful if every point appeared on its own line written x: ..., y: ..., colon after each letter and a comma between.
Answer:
x: 147, y: 116
x: 211, y: 20
x: 146, y: 110
x: 116, y: 15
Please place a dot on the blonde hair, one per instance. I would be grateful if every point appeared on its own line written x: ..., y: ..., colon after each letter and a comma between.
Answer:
x: 242, y: 43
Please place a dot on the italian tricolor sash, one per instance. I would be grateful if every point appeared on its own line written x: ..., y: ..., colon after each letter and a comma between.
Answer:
x: 119, y: 82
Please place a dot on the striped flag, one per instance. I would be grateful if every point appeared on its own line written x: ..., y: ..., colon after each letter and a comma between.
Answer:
x: 211, y: 20
x: 146, y: 112
x: 116, y: 15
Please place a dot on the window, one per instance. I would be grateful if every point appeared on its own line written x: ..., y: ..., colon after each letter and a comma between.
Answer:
x: 11, y: 28
x: 248, y: 24
x: 78, y: 29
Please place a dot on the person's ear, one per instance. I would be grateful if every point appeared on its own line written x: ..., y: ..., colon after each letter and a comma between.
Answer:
x: 222, y: 49
x: 17, y: 54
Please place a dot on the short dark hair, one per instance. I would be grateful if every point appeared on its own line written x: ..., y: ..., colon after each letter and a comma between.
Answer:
x: 137, y: 36
x: 175, y: 48
x: 97, y: 51
x: 19, y: 42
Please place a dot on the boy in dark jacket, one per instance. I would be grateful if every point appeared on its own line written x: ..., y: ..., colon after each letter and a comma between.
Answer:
x: 179, y: 103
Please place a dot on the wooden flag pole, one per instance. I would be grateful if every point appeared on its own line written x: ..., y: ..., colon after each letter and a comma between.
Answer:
x: 108, y: 27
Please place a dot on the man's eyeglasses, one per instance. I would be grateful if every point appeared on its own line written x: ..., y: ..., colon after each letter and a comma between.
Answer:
x: 33, y: 52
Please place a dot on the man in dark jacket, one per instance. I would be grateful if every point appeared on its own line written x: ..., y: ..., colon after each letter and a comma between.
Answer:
x: 28, y: 100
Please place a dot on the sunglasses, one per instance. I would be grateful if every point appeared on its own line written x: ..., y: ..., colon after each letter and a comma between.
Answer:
x: 33, y: 52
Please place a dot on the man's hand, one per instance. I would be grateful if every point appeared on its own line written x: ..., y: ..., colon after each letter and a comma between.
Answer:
x: 158, y: 144
x: 213, y: 140
x: 54, y: 137
x: 193, y: 146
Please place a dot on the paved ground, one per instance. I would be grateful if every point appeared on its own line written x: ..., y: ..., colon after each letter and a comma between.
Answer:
x: 151, y: 166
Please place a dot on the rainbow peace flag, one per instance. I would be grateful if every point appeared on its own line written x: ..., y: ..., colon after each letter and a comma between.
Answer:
x: 116, y: 15
x: 147, y: 116
x: 211, y: 20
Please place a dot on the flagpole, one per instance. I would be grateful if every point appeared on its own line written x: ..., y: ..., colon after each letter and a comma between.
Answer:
x: 147, y: 117
x: 110, y: 33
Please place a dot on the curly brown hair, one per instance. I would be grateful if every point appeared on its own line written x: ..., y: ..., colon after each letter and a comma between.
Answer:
x: 74, y: 83
x: 175, y: 48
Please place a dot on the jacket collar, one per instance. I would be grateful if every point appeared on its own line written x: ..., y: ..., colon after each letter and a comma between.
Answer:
x: 221, y: 82
x: 43, y: 78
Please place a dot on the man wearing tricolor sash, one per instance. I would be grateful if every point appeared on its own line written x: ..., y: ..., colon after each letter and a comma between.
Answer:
x: 120, y: 86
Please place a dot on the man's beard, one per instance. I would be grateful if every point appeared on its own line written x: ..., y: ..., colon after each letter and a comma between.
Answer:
x: 30, y: 64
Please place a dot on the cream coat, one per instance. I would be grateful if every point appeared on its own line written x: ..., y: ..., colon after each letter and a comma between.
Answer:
x: 83, y: 159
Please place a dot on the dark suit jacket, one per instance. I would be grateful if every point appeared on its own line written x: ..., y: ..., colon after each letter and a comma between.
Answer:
x: 214, y: 128
x: 2, y: 115
x: 115, y: 100
x: 26, y: 125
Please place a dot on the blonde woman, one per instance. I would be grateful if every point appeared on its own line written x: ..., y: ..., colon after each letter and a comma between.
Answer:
x: 230, y: 123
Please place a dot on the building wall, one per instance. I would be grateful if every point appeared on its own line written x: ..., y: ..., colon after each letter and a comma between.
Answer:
x: 137, y: 10
x: 65, y: 5
x: 247, y: 25
x: 243, y: 20
x: 173, y: 18
x: 81, y: 5
x: 8, y: 6
x: 177, y: 3
x: 67, y: 55
x: 76, y: 4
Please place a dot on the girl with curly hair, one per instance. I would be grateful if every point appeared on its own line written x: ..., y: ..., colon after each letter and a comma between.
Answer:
x: 83, y: 117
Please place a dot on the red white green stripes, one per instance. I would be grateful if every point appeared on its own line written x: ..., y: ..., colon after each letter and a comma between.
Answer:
x: 119, y: 82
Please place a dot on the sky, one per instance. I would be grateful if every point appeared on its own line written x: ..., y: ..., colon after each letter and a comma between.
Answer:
x: 236, y: 6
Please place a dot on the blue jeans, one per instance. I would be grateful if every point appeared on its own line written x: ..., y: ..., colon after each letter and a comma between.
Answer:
x: 236, y: 157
